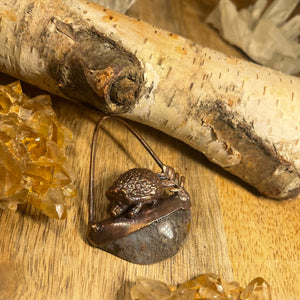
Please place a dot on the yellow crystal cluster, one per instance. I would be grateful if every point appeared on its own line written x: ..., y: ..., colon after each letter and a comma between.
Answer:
x: 33, y: 166
x: 206, y: 286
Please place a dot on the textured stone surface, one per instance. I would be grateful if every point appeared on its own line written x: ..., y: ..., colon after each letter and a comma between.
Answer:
x: 156, y: 242
x: 33, y: 167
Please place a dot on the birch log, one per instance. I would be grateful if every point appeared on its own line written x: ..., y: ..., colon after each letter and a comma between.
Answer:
x: 242, y: 116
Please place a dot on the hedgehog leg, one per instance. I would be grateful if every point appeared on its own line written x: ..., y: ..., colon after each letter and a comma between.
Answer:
x: 135, y: 209
x: 118, y: 208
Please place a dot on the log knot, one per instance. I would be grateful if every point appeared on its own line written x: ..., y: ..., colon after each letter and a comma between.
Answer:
x: 95, y: 68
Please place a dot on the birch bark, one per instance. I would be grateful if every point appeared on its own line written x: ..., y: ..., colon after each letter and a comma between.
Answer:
x: 242, y: 116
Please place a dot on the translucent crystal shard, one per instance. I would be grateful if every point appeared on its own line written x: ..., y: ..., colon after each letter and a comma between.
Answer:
x: 205, y: 286
x: 33, y: 166
x: 211, y: 286
x: 257, y: 289
x: 148, y: 289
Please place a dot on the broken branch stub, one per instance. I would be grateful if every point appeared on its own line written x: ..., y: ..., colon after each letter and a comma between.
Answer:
x: 242, y: 116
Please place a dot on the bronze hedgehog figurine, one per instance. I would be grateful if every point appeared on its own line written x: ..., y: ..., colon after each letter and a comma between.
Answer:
x: 133, y: 190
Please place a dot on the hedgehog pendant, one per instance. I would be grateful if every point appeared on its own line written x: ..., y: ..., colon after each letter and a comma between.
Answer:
x: 150, y: 212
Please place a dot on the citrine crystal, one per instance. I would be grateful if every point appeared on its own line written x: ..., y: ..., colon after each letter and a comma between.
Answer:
x: 205, y: 286
x: 33, y: 167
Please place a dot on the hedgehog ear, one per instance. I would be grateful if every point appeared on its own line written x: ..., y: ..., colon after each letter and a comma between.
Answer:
x: 123, y: 191
x: 121, y: 194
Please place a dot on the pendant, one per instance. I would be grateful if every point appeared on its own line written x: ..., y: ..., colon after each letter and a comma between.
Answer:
x: 150, y: 212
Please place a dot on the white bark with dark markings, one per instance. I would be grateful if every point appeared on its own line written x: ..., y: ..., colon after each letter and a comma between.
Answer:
x: 242, y: 116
